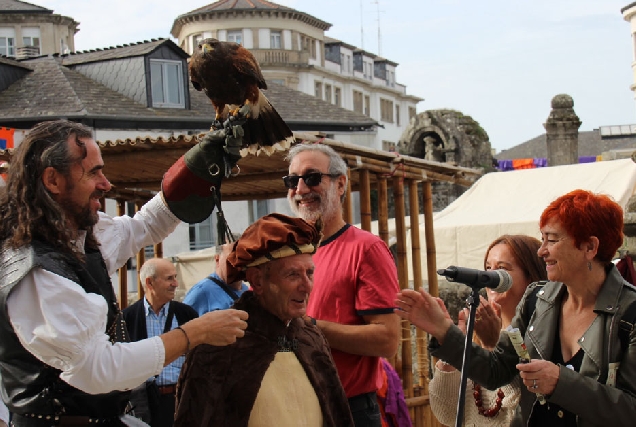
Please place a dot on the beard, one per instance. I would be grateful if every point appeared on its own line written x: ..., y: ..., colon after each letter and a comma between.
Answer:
x: 328, y: 204
x: 80, y: 215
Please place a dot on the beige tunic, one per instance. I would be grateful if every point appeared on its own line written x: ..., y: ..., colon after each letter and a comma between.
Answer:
x: 286, y: 396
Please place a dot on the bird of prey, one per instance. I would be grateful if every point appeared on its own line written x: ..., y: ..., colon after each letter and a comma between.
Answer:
x: 231, y: 77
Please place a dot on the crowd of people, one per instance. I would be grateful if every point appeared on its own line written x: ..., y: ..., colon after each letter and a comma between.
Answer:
x: 294, y: 324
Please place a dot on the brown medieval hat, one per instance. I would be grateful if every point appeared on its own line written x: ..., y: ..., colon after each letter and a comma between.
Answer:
x: 272, y: 237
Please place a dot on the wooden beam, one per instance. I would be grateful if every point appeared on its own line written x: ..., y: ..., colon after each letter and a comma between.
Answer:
x: 365, y: 199
x: 347, y: 208
x: 429, y: 234
x: 123, y: 270
x: 141, y: 259
x: 400, y: 232
x: 383, y: 210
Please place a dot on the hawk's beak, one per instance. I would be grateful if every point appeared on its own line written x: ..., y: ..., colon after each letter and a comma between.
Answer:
x: 206, y: 48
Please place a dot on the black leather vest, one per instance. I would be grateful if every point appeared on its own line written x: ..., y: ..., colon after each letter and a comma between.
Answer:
x: 28, y: 385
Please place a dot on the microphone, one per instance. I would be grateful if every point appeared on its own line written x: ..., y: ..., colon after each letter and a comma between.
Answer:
x: 498, y: 280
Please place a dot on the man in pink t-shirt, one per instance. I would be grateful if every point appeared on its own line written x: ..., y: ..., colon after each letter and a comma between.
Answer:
x: 355, y: 281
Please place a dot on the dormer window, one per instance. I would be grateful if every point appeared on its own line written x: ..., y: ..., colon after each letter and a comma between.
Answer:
x: 167, y: 84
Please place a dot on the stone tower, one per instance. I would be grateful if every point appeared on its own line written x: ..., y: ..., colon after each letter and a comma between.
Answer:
x: 562, y: 132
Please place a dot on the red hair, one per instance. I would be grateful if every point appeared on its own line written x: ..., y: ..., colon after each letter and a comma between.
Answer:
x: 584, y: 214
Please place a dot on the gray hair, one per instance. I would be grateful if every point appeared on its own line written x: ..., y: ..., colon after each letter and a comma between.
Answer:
x: 337, y: 165
x: 148, y: 270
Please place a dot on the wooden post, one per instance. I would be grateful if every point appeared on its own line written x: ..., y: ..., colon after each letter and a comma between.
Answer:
x: 383, y: 210
x: 431, y: 251
x: 416, y: 265
x: 400, y: 232
x: 365, y: 199
x: 433, y: 289
x: 348, y: 209
x: 159, y: 250
x: 123, y: 270
x: 383, y: 228
x: 141, y: 259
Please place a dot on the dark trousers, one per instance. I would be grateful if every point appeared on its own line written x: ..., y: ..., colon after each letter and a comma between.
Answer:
x: 365, y: 410
x: 164, y: 414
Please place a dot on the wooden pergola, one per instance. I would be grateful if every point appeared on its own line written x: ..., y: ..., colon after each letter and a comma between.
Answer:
x: 136, y: 167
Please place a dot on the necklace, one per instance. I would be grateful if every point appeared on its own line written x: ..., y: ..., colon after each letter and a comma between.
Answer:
x: 491, y: 412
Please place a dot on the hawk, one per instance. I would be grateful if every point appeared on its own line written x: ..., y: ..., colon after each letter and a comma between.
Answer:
x: 231, y: 77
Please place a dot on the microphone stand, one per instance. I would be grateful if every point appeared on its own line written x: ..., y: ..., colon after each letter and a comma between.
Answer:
x: 473, y: 303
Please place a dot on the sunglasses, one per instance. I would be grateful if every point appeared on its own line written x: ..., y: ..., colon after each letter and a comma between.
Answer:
x: 311, y: 179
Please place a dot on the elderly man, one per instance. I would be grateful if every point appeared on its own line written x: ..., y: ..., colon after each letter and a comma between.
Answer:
x: 214, y: 292
x: 356, y: 279
x: 64, y: 359
x: 281, y: 373
x: 151, y: 316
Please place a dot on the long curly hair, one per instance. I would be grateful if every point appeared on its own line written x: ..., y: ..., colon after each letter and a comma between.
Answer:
x: 27, y: 210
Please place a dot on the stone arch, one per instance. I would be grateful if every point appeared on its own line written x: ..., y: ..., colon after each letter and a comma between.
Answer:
x: 447, y: 136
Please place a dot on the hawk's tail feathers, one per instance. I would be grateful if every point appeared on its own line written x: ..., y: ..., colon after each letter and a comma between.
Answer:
x: 268, y: 132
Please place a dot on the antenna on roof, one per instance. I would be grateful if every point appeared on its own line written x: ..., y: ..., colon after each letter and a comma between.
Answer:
x: 361, y: 27
x: 377, y: 2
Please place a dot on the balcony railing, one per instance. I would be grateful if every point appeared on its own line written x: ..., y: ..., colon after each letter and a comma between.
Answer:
x: 27, y: 52
x: 280, y: 57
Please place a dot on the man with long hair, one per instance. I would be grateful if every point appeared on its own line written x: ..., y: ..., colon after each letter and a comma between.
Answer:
x: 64, y: 355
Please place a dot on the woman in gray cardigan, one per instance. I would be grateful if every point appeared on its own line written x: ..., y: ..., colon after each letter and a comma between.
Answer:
x: 579, y: 368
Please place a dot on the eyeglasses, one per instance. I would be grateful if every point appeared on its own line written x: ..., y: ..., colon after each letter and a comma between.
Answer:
x: 310, y: 179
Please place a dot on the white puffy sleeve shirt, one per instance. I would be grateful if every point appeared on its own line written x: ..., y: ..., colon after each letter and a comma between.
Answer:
x: 64, y: 326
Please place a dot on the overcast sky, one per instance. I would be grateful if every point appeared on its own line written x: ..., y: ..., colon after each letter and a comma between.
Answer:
x: 499, y: 61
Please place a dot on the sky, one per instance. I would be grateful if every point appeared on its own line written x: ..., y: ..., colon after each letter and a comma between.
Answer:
x: 499, y: 61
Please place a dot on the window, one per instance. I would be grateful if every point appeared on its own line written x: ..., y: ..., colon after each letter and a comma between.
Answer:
x: 338, y: 97
x: 166, y: 79
x: 7, y: 41
x: 328, y: 93
x: 309, y: 45
x: 357, y: 102
x: 31, y: 38
x: 388, y: 146
x: 64, y: 47
x: 412, y: 113
x: 386, y: 110
x: 196, y: 39
x: 318, y: 89
x: 345, y: 63
x: 274, y: 40
x: 397, y: 115
x: 235, y: 36
x: 203, y: 235
x: 367, y: 105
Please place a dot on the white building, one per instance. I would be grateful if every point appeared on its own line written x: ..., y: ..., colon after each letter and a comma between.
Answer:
x: 293, y: 50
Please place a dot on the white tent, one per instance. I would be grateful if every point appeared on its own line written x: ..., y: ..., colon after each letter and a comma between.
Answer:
x: 512, y: 202
x: 194, y: 266
x: 498, y: 203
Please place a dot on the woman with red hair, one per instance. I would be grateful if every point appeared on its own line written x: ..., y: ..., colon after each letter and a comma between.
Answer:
x: 580, y: 372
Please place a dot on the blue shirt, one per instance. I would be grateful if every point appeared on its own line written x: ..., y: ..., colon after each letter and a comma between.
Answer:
x: 154, y: 326
x: 212, y: 293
